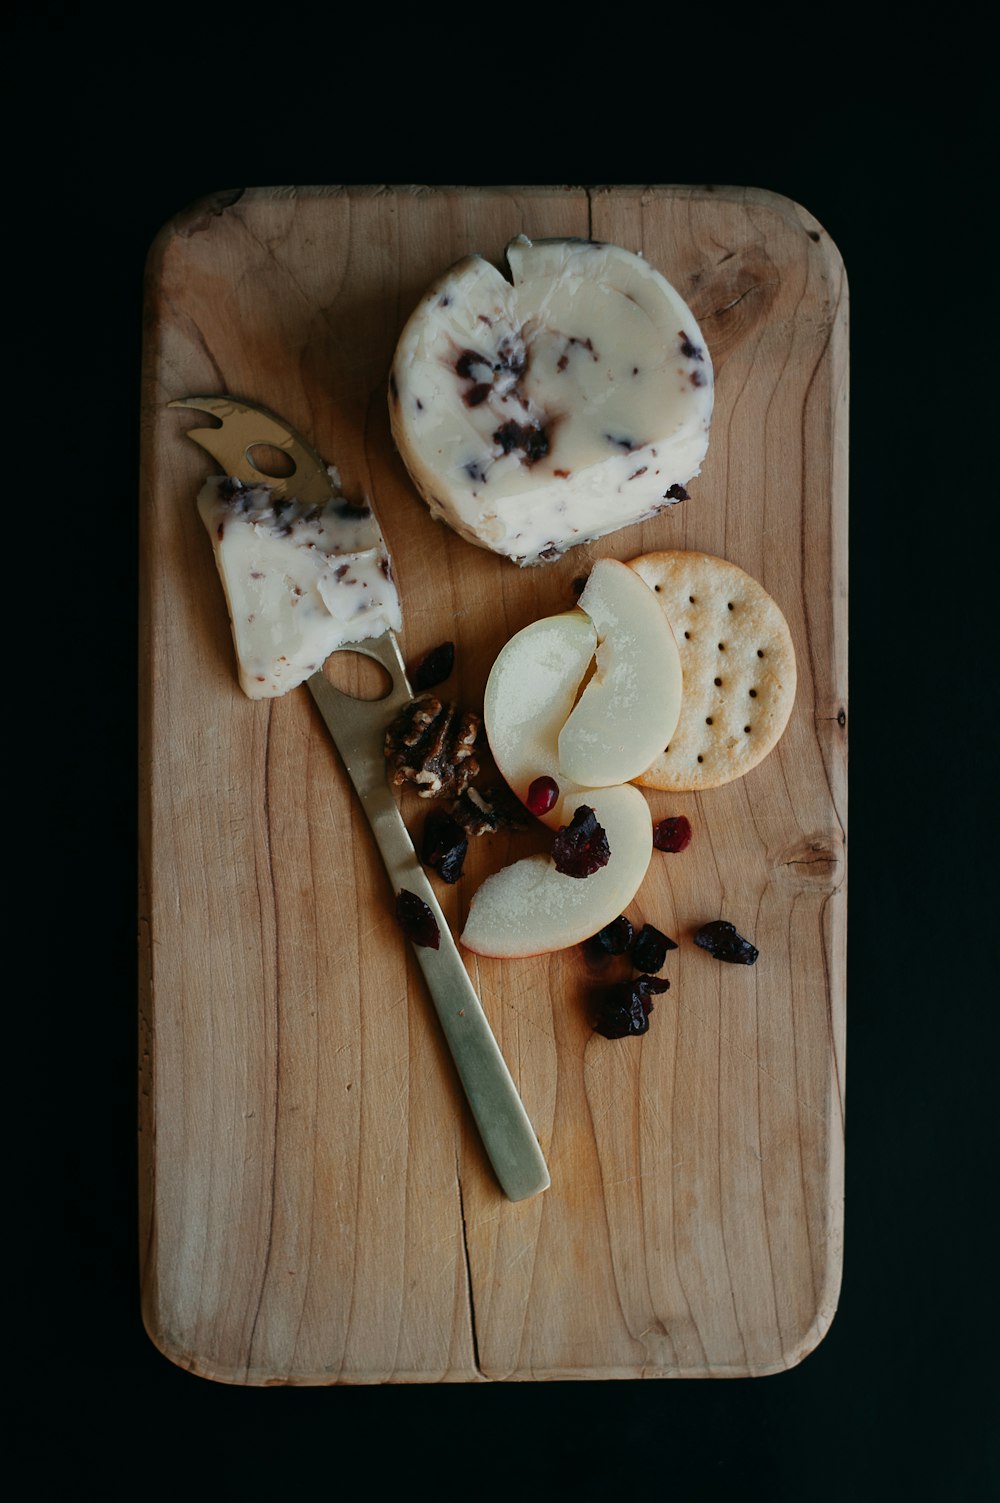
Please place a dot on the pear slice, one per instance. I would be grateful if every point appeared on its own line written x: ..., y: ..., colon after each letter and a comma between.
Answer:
x: 588, y: 698
x: 530, y: 694
x: 529, y: 908
x: 540, y: 723
x: 630, y: 708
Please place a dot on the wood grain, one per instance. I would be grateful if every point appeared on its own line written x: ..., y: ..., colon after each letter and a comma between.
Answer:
x: 316, y: 1207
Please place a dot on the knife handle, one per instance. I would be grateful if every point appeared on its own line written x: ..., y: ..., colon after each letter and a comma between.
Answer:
x: 503, y: 1123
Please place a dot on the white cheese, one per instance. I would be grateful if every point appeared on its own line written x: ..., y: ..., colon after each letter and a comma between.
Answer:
x: 300, y: 581
x: 550, y: 412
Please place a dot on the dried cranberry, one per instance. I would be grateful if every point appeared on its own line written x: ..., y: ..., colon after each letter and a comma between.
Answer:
x: 434, y: 667
x: 672, y: 834
x: 651, y: 946
x: 651, y: 986
x: 530, y: 438
x: 613, y: 939
x: 444, y: 845
x: 542, y: 796
x: 581, y: 847
x: 622, y: 1012
x: 720, y: 939
x: 416, y: 920
x: 467, y: 363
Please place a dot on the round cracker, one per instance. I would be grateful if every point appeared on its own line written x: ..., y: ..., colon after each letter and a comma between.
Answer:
x: 738, y: 667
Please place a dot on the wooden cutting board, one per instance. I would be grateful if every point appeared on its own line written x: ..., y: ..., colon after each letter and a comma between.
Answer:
x: 316, y: 1207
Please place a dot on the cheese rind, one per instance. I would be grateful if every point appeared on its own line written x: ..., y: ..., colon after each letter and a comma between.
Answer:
x: 543, y: 413
x: 300, y: 581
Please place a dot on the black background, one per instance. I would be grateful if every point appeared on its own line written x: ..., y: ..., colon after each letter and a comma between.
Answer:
x: 877, y: 133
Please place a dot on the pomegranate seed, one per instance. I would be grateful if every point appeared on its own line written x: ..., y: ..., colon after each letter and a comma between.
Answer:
x: 672, y: 834
x: 542, y: 796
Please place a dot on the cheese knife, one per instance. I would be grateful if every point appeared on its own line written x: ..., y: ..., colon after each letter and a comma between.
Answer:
x: 357, y: 728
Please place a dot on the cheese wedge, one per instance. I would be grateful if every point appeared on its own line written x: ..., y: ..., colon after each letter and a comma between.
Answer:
x: 541, y: 414
x: 300, y: 581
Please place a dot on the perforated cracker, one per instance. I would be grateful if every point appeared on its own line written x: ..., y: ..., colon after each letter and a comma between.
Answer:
x: 738, y: 667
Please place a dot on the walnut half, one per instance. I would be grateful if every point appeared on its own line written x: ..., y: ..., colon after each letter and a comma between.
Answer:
x: 431, y: 745
x: 483, y: 811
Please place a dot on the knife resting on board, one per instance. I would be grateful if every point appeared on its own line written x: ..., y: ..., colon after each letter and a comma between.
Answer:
x: 357, y: 727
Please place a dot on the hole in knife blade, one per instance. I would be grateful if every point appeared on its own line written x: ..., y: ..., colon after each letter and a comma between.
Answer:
x: 356, y: 674
x: 270, y: 460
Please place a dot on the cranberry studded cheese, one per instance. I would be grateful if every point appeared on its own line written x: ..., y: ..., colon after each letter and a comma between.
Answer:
x: 300, y: 581
x: 543, y: 413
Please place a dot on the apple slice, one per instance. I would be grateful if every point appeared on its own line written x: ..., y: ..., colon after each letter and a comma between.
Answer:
x: 529, y: 908
x: 628, y: 711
